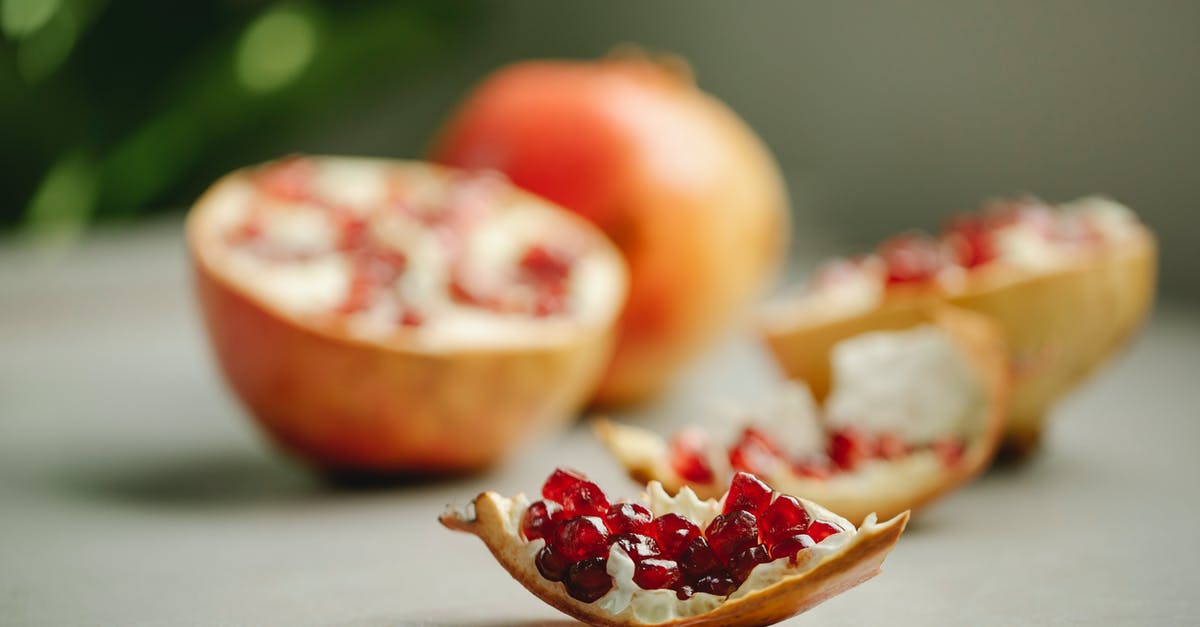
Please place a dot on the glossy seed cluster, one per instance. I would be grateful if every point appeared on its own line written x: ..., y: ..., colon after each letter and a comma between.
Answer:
x: 579, y: 526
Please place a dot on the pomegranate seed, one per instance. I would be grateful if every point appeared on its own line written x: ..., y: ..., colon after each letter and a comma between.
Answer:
x: 741, y: 564
x: 848, y: 448
x: 544, y: 265
x: 911, y: 257
x: 541, y: 520
x: 557, y: 483
x: 287, y: 179
x: 245, y: 233
x: 626, y: 517
x: 821, y: 529
x: 785, y: 516
x: 588, y: 580
x: 655, y: 573
x: 949, y: 450
x: 732, y: 533
x: 891, y: 447
x: 688, y: 456
x: 698, y: 559
x: 551, y: 565
x: 791, y: 545
x: 754, y: 452
x: 638, y: 547
x: 814, y: 469
x: 747, y: 492
x: 581, y: 537
x: 358, y: 297
x: 352, y: 230
x: 674, y: 533
x: 719, y: 584
x: 684, y: 592
x: 551, y: 300
x: 970, y: 239
x: 410, y: 318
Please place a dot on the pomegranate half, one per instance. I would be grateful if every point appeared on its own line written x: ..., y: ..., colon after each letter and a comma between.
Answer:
x: 389, y: 316
x: 681, y: 184
x: 913, y: 414
x: 755, y: 557
x: 1067, y: 285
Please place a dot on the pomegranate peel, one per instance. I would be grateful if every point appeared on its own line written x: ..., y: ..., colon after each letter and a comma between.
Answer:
x: 376, y: 380
x: 1065, y: 305
x: 887, y: 483
x: 770, y: 592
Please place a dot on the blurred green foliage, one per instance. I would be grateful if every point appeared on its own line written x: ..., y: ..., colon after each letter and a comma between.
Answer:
x: 115, y: 109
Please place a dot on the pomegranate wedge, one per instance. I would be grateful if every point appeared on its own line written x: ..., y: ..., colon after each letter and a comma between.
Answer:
x: 1068, y: 286
x: 755, y: 557
x: 386, y: 316
x: 913, y: 414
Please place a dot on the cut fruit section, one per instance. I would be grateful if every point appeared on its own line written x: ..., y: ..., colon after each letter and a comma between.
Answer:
x: 395, y: 316
x: 751, y: 560
x: 913, y: 414
x: 1067, y: 285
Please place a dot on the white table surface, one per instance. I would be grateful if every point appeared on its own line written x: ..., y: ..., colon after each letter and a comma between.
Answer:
x: 134, y: 492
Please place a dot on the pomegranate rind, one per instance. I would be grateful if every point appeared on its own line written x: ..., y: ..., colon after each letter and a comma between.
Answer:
x: 862, y: 558
x: 1059, y: 324
x: 897, y: 486
x: 346, y: 403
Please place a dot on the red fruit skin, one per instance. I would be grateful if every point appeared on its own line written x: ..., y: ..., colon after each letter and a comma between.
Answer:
x: 680, y: 183
x: 747, y: 492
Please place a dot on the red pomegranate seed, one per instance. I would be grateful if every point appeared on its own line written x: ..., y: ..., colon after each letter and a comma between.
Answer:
x: 588, y: 580
x: 849, y: 447
x: 754, y: 452
x: 541, y: 520
x: 580, y: 538
x: 245, y: 233
x: 551, y: 565
x: 638, y: 547
x: 550, y: 300
x: 656, y: 573
x: 741, y: 564
x: 626, y: 517
x: 911, y: 257
x: 544, y: 265
x: 791, y: 545
x: 288, y: 179
x: 698, y: 559
x: 352, y: 230
x: 785, y: 516
x: 674, y: 533
x: 949, y: 450
x: 720, y: 584
x: 821, y: 529
x: 684, y: 592
x: 970, y: 240
x: 747, y: 492
x: 410, y: 318
x: 732, y: 533
x: 814, y: 469
x: 891, y: 447
x: 358, y: 297
x: 689, y: 458
x: 557, y: 483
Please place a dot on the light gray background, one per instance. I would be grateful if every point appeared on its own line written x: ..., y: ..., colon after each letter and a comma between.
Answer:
x: 889, y: 115
x: 134, y: 492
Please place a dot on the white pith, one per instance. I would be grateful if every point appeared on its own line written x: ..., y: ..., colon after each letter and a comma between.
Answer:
x: 627, y: 600
x: 296, y: 269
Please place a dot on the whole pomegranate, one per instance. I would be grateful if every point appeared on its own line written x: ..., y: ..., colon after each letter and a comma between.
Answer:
x: 677, y: 180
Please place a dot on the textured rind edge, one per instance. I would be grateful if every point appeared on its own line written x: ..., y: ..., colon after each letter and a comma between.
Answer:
x: 858, y: 561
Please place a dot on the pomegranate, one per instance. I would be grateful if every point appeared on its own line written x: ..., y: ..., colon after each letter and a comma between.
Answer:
x: 687, y: 191
x: 1067, y: 285
x: 914, y: 413
x: 761, y: 557
x: 384, y: 316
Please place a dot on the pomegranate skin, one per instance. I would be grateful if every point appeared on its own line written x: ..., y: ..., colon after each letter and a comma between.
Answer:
x: 347, y: 404
x: 687, y: 191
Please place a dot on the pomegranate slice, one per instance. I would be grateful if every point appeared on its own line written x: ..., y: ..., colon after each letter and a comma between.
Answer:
x: 328, y: 289
x: 917, y: 412
x: 732, y: 573
x: 1067, y: 286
